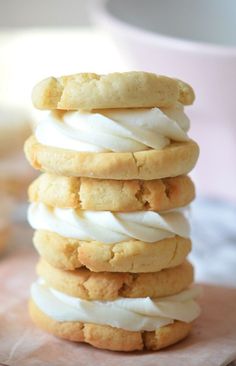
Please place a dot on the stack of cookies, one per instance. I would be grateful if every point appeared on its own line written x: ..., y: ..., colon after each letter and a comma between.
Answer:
x: 110, y: 210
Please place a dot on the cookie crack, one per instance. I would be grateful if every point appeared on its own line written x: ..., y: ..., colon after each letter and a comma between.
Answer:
x: 167, y: 188
x: 131, y: 266
x: 77, y: 195
x: 83, y: 285
x: 113, y: 254
x: 143, y: 339
x: 174, y: 253
x: 141, y: 193
x: 59, y: 91
x: 135, y: 162
x: 73, y: 257
x: 128, y: 284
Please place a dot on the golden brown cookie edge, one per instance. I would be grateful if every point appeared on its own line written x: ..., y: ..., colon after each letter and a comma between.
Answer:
x: 106, y: 337
x: 174, y: 160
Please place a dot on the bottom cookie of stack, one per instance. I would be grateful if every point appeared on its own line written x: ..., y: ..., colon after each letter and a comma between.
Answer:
x: 116, y: 311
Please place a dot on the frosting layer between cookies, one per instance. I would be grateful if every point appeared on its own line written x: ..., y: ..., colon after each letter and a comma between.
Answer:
x: 109, y: 227
x: 138, y: 314
x: 116, y: 130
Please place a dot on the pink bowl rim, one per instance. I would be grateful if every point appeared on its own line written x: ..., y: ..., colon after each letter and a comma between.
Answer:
x: 100, y: 15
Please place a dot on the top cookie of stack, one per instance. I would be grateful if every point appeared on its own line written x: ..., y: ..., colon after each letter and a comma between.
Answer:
x: 117, y: 126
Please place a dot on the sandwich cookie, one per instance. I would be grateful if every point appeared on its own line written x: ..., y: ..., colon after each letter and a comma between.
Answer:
x: 139, y: 139
x: 107, y: 337
x: 141, y: 241
x: 149, y: 311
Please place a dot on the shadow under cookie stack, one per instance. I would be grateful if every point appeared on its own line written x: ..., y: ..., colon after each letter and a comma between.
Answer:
x: 110, y: 210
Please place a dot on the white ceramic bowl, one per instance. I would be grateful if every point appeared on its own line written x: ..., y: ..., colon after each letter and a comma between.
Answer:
x: 194, y: 41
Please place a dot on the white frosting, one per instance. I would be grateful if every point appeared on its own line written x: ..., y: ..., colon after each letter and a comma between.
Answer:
x: 134, y: 314
x: 109, y: 227
x: 117, y: 130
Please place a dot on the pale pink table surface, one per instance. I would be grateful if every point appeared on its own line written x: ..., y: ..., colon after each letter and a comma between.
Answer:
x: 212, y: 342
